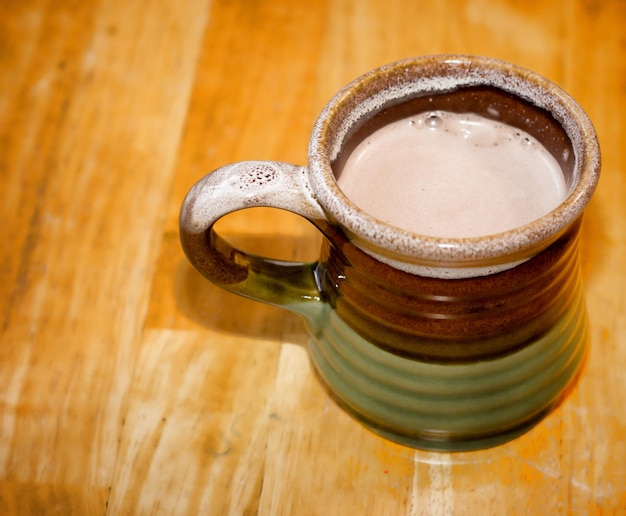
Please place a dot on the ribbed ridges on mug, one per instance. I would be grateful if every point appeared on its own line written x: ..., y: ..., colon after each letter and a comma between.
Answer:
x: 450, y: 406
x: 460, y: 320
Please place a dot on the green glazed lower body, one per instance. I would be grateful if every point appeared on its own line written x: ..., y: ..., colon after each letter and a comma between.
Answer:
x: 449, y: 407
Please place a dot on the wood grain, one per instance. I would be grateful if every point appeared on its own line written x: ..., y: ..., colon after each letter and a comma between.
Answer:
x: 129, y: 385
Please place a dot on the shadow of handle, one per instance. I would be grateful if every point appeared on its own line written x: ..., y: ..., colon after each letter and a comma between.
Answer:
x: 248, y: 184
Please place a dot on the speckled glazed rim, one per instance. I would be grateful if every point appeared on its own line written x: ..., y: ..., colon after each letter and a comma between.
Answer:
x: 372, y: 92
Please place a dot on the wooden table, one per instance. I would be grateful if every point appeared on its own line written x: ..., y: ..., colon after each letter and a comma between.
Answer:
x: 128, y: 384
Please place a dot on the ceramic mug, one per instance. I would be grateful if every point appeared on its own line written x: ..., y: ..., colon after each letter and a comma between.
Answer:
x: 436, y: 343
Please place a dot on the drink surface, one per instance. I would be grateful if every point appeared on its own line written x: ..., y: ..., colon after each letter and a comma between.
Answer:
x: 447, y: 174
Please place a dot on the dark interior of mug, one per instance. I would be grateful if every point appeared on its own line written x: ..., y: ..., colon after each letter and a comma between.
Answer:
x: 487, y: 101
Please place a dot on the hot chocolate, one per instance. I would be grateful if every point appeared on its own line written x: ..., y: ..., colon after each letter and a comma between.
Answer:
x: 448, y: 174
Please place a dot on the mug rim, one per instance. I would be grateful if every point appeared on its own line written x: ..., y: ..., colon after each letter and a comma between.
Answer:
x: 363, y: 98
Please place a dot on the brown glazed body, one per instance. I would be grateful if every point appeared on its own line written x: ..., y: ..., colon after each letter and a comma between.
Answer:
x: 454, y: 320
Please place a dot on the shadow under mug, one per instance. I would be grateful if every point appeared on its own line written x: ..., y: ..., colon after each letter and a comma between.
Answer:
x: 436, y: 343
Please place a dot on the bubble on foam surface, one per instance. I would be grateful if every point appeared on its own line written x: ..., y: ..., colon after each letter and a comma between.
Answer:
x: 433, y: 121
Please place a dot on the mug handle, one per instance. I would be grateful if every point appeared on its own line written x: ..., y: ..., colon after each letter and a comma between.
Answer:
x: 248, y: 184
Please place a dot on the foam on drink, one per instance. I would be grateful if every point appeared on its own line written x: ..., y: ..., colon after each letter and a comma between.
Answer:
x: 452, y: 175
